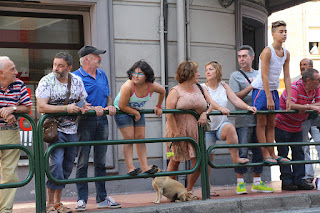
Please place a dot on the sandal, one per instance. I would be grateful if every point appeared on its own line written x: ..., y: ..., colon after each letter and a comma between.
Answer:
x: 214, y: 194
x: 62, y: 209
x: 192, y: 196
x: 153, y: 170
x: 282, y: 159
x: 267, y: 161
x: 135, y: 172
x: 51, y: 209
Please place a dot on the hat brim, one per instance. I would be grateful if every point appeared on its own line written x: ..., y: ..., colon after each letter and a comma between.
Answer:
x: 98, y: 52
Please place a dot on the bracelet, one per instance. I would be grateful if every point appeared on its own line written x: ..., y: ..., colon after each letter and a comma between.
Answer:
x: 248, y: 107
x: 65, y: 109
x: 159, y: 106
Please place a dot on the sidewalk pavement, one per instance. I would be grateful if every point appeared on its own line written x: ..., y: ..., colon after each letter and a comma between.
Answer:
x: 227, y: 201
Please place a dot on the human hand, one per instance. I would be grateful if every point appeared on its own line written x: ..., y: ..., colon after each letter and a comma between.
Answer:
x: 137, y: 116
x: 288, y: 105
x: 112, y: 110
x: 202, y: 119
x: 72, y: 108
x: 10, y: 119
x: 98, y: 110
x: 270, y: 104
x: 6, y: 111
x: 224, y: 111
x: 252, y: 109
x: 85, y: 108
x: 158, y: 111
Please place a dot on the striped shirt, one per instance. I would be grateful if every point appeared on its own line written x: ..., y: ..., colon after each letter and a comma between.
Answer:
x: 15, y: 95
x: 292, y: 122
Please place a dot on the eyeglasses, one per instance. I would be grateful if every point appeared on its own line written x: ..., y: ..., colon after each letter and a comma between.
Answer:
x: 278, y: 24
x: 139, y: 74
x: 316, y: 79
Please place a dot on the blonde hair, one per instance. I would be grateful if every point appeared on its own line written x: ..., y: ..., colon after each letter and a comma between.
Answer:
x: 218, y: 67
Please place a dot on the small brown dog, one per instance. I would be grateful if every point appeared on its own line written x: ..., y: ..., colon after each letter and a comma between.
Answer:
x: 169, y: 188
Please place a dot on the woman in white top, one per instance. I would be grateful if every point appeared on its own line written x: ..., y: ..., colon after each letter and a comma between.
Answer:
x: 220, y: 92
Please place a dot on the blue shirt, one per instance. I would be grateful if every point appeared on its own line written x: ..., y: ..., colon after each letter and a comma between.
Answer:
x: 98, y: 89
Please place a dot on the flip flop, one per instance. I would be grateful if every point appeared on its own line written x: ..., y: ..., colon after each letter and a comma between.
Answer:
x: 135, y: 172
x: 243, y: 159
x: 214, y: 194
x: 153, y: 170
x: 279, y: 159
x: 266, y: 161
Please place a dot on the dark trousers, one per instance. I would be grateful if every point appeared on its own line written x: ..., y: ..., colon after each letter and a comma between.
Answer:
x: 290, y: 173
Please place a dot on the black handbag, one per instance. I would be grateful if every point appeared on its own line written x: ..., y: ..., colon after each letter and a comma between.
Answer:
x: 207, y: 126
x: 50, y: 125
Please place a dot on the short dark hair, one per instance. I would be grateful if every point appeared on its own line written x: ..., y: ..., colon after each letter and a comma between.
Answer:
x: 145, y: 68
x: 65, y: 56
x: 308, y: 74
x: 277, y: 24
x: 185, y: 71
x: 249, y: 48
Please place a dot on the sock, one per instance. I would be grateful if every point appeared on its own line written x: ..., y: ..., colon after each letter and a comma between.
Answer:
x: 239, y: 180
x: 256, y: 180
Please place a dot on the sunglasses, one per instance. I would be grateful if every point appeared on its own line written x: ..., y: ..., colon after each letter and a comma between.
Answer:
x: 139, y: 74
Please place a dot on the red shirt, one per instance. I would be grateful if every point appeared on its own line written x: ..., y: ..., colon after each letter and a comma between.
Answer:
x: 291, y: 122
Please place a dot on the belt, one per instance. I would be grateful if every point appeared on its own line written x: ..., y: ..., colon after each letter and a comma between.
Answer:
x: 14, y: 126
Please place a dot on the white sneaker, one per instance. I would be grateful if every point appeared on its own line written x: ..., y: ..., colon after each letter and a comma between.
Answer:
x: 109, y: 202
x: 81, y: 206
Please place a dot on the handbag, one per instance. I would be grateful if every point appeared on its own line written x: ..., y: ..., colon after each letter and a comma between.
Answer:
x: 207, y: 126
x: 50, y: 125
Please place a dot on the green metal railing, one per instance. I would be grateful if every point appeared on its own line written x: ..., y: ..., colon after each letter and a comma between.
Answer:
x: 39, y: 159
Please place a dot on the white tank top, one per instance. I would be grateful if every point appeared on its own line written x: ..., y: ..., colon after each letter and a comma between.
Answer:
x: 219, y: 95
x: 275, y: 67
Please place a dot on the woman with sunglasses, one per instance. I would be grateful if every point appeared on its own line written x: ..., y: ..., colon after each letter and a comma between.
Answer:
x: 132, y: 97
x: 221, y: 129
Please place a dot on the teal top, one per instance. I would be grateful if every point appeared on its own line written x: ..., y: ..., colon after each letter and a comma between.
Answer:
x: 134, y: 101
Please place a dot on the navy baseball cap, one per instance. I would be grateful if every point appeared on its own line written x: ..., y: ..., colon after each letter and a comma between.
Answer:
x: 86, y: 50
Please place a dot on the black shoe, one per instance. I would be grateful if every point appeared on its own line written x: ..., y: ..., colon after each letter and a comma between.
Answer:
x: 289, y: 187
x: 305, y: 186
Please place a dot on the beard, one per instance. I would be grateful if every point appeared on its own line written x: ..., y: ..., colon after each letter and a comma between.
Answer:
x: 58, y: 74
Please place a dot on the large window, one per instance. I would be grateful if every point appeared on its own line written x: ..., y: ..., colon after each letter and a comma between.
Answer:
x: 32, y: 39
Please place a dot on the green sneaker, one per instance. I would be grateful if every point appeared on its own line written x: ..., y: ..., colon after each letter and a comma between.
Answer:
x: 261, y: 188
x: 241, y: 189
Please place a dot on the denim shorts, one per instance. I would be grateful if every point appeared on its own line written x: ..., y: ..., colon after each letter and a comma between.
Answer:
x: 213, y: 136
x: 125, y: 120
x: 259, y: 99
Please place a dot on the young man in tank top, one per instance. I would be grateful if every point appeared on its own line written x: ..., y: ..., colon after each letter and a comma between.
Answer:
x: 265, y: 96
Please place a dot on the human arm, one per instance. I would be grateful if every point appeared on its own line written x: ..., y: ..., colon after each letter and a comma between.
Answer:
x: 287, y: 81
x: 235, y: 86
x: 171, y: 103
x: 213, y: 104
x: 265, y: 59
x: 112, y: 109
x: 5, y: 112
x: 235, y: 100
x: 44, y: 107
x: 126, y: 91
x: 155, y: 87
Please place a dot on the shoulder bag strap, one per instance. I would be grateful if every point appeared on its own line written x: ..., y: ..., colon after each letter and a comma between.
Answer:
x: 245, y: 76
x: 69, y: 89
x: 200, y: 87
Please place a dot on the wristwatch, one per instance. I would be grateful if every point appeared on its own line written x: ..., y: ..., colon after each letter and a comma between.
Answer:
x: 14, y: 108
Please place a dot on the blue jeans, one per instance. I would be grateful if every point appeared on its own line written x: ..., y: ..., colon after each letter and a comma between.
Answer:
x: 62, y: 159
x: 295, y: 174
x: 92, y: 129
x: 248, y: 135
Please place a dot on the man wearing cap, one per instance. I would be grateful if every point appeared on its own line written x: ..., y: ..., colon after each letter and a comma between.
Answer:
x: 92, y: 128
x: 14, y: 99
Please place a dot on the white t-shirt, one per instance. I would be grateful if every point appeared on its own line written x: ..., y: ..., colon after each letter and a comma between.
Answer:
x: 50, y: 87
x: 219, y: 95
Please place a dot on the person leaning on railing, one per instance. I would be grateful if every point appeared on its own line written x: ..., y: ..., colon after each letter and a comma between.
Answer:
x: 14, y: 99
x: 288, y: 127
x: 186, y: 95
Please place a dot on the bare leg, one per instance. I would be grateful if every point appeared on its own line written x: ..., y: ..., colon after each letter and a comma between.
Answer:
x: 173, y: 166
x: 50, y: 194
x: 57, y: 196
x: 194, y: 176
x: 270, y: 134
x: 261, y: 135
x: 229, y: 134
x: 127, y: 149
x: 139, y: 133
